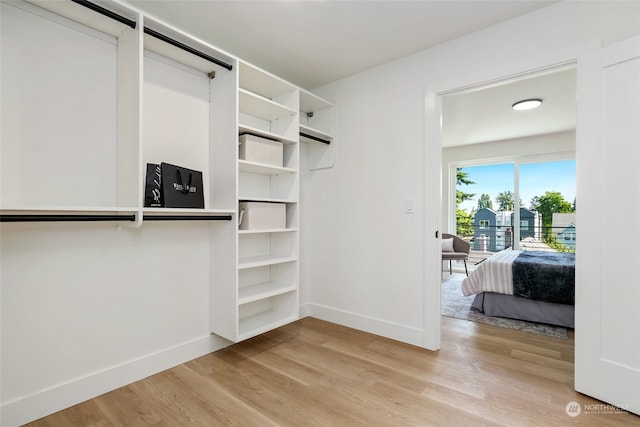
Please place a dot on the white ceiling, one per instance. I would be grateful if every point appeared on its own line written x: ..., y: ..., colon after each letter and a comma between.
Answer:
x: 312, y: 43
x: 486, y: 115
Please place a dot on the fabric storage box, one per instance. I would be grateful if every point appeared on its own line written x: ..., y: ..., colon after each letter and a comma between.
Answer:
x: 262, y: 215
x: 260, y: 150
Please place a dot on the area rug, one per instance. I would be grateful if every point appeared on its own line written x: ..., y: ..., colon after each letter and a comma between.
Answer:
x: 455, y: 304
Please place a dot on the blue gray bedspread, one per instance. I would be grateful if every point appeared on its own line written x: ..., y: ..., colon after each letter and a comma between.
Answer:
x: 545, y: 276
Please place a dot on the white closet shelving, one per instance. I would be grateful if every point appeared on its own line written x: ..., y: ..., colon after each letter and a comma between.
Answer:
x: 186, y: 119
x: 267, y: 265
x: 68, y: 147
x: 317, y: 118
x: 116, y: 94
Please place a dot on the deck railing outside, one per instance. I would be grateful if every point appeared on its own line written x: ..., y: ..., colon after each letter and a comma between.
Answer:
x: 489, y: 240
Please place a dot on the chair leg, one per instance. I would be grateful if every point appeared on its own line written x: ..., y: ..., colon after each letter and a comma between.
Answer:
x: 465, y: 267
x: 449, y: 266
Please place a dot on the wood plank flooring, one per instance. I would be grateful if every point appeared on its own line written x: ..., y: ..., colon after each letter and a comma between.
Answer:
x: 315, y: 373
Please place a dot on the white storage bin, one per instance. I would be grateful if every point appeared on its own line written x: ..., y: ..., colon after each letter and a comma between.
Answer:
x: 262, y: 215
x: 261, y: 150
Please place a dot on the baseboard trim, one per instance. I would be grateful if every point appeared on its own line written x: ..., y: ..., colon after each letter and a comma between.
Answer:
x: 395, y: 331
x: 45, y: 402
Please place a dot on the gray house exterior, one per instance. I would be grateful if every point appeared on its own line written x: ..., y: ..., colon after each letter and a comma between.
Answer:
x: 530, y: 224
x: 484, y: 230
x: 567, y: 236
x: 493, y: 231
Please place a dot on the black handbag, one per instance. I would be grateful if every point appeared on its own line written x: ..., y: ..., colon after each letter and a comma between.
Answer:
x: 153, y: 186
x: 181, y: 187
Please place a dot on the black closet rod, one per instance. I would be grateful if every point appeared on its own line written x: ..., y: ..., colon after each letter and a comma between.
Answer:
x: 65, y: 218
x: 106, y: 12
x: 315, y: 138
x: 96, y: 218
x: 189, y: 49
x: 187, y: 217
x: 153, y: 33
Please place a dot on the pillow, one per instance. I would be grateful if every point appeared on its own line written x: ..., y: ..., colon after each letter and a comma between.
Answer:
x: 447, y: 245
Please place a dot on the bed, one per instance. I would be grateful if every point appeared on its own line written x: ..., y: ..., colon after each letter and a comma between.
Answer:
x: 536, y: 286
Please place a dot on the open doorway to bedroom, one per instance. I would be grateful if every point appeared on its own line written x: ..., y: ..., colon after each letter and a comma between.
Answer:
x: 508, y: 176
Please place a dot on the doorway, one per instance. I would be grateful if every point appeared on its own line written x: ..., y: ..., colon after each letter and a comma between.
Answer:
x: 478, y: 141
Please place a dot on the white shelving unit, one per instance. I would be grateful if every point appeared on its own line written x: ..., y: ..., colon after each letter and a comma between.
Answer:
x: 82, y: 155
x: 266, y: 295
x: 317, y: 118
x: 186, y: 116
x: 116, y: 96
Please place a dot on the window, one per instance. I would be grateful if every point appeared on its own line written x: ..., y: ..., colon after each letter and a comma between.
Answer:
x: 532, y: 198
x: 549, y: 188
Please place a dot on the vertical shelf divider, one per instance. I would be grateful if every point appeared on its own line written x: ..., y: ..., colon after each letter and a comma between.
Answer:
x: 130, y: 145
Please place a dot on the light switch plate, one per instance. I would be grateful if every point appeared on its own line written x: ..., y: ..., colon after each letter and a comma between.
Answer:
x: 409, y: 206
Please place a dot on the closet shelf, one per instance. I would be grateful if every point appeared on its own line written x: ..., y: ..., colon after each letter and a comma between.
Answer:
x: 309, y: 134
x: 262, y: 83
x: 42, y: 209
x: 262, y: 168
x: 268, y: 230
x: 261, y: 261
x: 263, y: 322
x: 258, y: 106
x: 111, y: 21
x: 310, y: 103
x: 91, y: 214
x: 94, y: 217
x: 260, y: 291
x: 188, y: 211
x: 242, y: 128
x: 265, y: 199
x: 158, y: 35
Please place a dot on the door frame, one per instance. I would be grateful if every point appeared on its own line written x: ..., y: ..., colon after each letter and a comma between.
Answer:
x: 479, y: 79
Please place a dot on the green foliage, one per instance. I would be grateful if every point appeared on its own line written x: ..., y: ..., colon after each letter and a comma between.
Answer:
x: 464, y: 219
x: 552, y: 242
x: 548, y: 204
x: 505, y: 201
x: 462, y: 178
x: 485, y: 202
x: 464, y: 223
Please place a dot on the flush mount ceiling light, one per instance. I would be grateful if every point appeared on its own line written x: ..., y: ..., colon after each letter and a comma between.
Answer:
x: 527, y: 104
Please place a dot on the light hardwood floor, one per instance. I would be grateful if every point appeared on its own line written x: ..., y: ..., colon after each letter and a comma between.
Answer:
x: 313, y: 373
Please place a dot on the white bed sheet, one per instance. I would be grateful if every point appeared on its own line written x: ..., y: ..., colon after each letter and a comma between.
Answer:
x: 495, y: 274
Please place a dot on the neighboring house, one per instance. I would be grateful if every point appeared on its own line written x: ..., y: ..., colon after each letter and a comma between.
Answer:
x: 567, y: 236
x: 564, y: 228
x: 484, y: 229
x: 493, y: 231
x: 530, y: 224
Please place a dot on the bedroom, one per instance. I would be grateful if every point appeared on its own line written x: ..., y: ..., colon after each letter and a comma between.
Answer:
x: 524, y: 154
x: 367, y: 263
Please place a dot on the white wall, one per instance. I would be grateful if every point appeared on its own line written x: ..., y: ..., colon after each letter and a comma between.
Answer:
x: 364, y: 256
x: 87, y: 307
